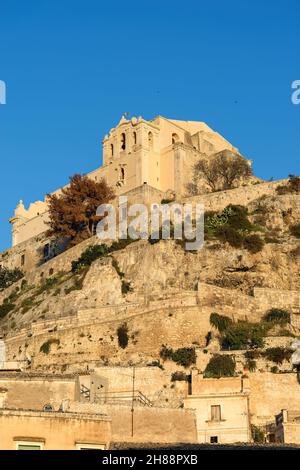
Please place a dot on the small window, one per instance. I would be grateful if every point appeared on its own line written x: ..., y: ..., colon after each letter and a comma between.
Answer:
x: 150, y: 139
x: 29, y: 445
x: 123, y: 141
x: 215, y: 413
x: 22, y: 260
x: 90, y: 446
x: 134, y: 138
x: 51, y: 271
x: 122, y: 173
x: 214, y: 439
x: 112, y: 150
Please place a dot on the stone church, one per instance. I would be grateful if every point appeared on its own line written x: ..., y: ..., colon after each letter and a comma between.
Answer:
x: 145, y: 160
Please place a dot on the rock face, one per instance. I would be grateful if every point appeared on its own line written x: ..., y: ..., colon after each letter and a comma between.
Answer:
x: 102, y: 283
x: 161, y: 293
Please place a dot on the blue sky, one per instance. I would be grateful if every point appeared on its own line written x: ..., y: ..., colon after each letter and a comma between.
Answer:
x: 73, y: 67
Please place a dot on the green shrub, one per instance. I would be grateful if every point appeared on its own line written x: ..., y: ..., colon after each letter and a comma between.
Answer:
x: 258, y: 434
x: 45, y: 348
x: 47, y: 285
x: 28, y: 304
x: 183, y: 356
x: 274, y: 370
x: 295, y: 230
x: 231, y: 236
x: 213, y: 220
x: 120, y: 244
x: 126, y: 287
x: 94, y: 252
x: 251, y: 365
x: 179, y: 376
x: 243, y: 335
x: 220, y: 366
x: 166, y: 353
x: 277, y: 316
x: 252, y: 354
x: 233, y: 226
x: 278, y: 354
x: 115, y: 265
x: 239, y: 218
x: 293, y: 186
x: 123, y: 338
x: 5, y: 308
x: 220, y: 322
x: 77, y: 285
x: 253, y: 243
x: 86, y: 258
x: 9, y: 276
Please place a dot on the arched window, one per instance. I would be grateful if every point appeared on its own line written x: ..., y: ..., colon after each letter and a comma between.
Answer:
x: 112, y: 150
x: 150, y: 139
x: 175, y: 138
x: 134, y: 138
x: 123, y: 141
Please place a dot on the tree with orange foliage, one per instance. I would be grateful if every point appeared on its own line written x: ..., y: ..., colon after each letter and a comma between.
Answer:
x: 72, y: 213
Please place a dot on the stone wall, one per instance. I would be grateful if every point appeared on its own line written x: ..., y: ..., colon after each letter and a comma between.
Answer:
x: 270, y: 393
x: 243, y: 195
x: 32, y: 392
x: 178, y: 320
x: 151, y: 425
x: 284, y: 299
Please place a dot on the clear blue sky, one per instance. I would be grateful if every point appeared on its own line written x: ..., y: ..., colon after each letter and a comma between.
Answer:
x: 73, y: 67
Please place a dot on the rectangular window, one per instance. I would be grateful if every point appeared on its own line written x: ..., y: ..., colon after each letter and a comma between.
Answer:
x: 90, y: 446
x: 215, y: 413
x: 28, y: 445
x: 22, y: 260
x: 214, y: 439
